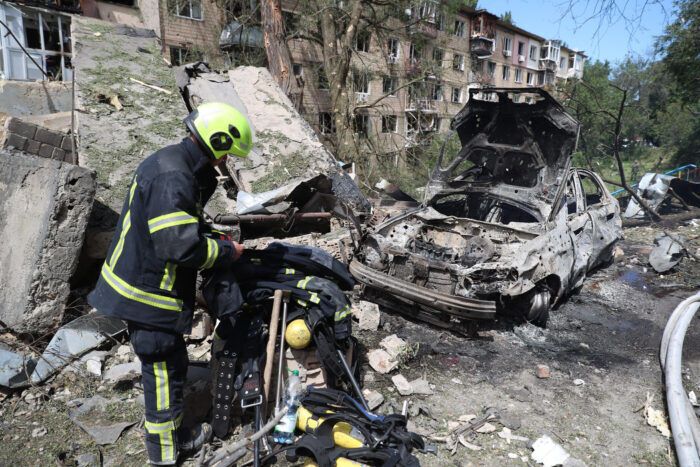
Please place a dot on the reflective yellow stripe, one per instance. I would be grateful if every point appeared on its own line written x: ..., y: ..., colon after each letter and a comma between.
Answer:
x: 342, y: 313
x: 159, y: 385
x: 302, y: 302
x: 168, y: 280
x: 126, y: 290
x: 304, y: 282
x: 167, y: 450
x: 166, y: 389
x: 289, y: 271
x: 212, y: 253
x: 126, y: 225
x: 170, y: 220
x: 314, y: 298
x: 162, y: 427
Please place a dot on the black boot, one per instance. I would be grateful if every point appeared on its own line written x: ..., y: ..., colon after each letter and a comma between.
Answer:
x: 190, y: 440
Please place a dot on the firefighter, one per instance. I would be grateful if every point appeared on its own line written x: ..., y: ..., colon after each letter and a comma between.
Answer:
x: 149, y: 275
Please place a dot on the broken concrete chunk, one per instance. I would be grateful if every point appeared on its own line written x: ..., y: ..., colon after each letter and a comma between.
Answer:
x: 486, y: 428
x: 15, y: 368
x: 402, y: 385
x: 421, y: 386
x: 368, y: 315
x: 381, y: 361
x: 46, y: 204
x: 91, y: 415
x: 548, y: 453
x: 123, y: 372
x: 374, y: 398
x: 94, y: 367
x: 394, y: 345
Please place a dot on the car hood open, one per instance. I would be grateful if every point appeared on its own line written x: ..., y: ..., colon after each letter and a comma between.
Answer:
x: 516, y: 144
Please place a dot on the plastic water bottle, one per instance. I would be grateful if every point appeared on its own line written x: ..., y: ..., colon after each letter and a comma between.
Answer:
x: 284, y: 430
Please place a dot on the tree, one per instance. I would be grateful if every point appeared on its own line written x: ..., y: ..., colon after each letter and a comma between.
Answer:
x: 507, y: 17
x: 680, y: 44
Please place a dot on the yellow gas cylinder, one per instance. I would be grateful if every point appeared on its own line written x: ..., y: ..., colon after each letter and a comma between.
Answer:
x: 341, y: 430
x: 339, y: 462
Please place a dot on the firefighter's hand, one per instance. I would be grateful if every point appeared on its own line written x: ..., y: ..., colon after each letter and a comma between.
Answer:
x: 238, y: 249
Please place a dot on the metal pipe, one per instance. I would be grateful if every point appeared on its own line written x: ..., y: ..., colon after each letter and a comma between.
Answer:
x: 281, y: 357
x: 353, y: 381
x: 232, y: 219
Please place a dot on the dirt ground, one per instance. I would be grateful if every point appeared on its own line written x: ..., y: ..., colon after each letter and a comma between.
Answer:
x: 606, y: 335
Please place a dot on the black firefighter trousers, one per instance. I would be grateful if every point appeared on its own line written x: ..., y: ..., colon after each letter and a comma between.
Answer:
x: 163, y: 371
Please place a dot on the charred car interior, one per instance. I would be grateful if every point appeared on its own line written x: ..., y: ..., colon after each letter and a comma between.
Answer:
x: 506, y: 225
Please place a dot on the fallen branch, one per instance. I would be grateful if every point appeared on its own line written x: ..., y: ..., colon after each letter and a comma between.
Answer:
x: 157, y: 88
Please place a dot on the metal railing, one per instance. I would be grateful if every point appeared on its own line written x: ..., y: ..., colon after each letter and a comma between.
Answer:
x: 688, y: 168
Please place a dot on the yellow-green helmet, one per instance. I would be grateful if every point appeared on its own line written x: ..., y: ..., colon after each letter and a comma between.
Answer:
x: 220, y: 129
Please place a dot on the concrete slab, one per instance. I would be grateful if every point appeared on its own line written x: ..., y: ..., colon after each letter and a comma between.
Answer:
x: 44, y: 208
x: 22, y: 98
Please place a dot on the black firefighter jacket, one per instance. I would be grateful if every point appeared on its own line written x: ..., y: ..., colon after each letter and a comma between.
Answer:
x: 149, y: 275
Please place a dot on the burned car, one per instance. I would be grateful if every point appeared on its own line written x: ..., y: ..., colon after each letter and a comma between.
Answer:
x: 506, y: 226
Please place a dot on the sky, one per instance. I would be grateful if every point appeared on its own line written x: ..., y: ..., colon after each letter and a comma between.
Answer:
x: 601, y: 37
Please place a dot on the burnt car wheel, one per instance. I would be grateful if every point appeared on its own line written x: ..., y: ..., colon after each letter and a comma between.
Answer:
x: 534, y: 306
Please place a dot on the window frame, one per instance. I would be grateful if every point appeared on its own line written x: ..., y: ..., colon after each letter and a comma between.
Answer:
x: 533, y: 51
x: 459, y: 95
x: 505, y: 73
x: 394, y: 80
x: 189, y: 2
x: 459, y: 28
x: 387, y: 118
x: 459, y: 67
x: 326, y: 127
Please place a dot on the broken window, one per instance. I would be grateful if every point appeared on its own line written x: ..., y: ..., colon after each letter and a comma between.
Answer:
x: 592, y: 191
x: 322, y: 77
x: 436, y: 93
x: 297, y: 70
x: 456, y: 95
x: 491, y: 68
x: 458, y: 62
x: 181, y: 55
x: 415, y: 52
x: 191, y: 9
x: 459, y: 28
x: 521, y: 48
x: 530, y: 79
x: 325, y: 123
x: 361, y: 125
x: 389, y: 124
x: 389, y: 85
x: 533, y: 52
x: 361, y: 82
x: 438, y: 55
x: 393, y: 50
x: 362, y: 41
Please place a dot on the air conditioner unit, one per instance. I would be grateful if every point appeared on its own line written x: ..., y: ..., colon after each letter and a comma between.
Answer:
x: 521, y: 58
x: 507, y: 53
x: 393, y: 59
x: 361, y: 97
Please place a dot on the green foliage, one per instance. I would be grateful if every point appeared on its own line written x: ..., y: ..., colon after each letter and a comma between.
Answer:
x: 680, y: 44
x: 507, y: 17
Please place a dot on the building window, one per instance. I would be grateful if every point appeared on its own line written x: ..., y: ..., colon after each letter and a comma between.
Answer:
x: 530, y: 79
x: 491, y: 68
x: 389, y: 124
x: 393, y: 50
x: 389, y: 85
x: 521, y: 48
x: 326, y: 123
x: 506, y: 73
x: 361, y: 82
x: 459, y: 28
x: 507, y: 44
x: 436, y: 94
x: 290, y: 20
x: 440, y: 21
x: 533, y: 52
x: 362, y: 41
x: 458, y: 62
x: 438, y: 56
x: 456, y: 95
x: 297, y: 70
x: 322, y: 79
x: 191, y: 9
x: 562, y: 63
x: 181, y: 55
x: 518, y: 75
x: 414, y: 52
x: 361, y: 125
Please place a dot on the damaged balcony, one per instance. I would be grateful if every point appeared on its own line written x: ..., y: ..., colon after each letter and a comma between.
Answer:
x: 481, y: 45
